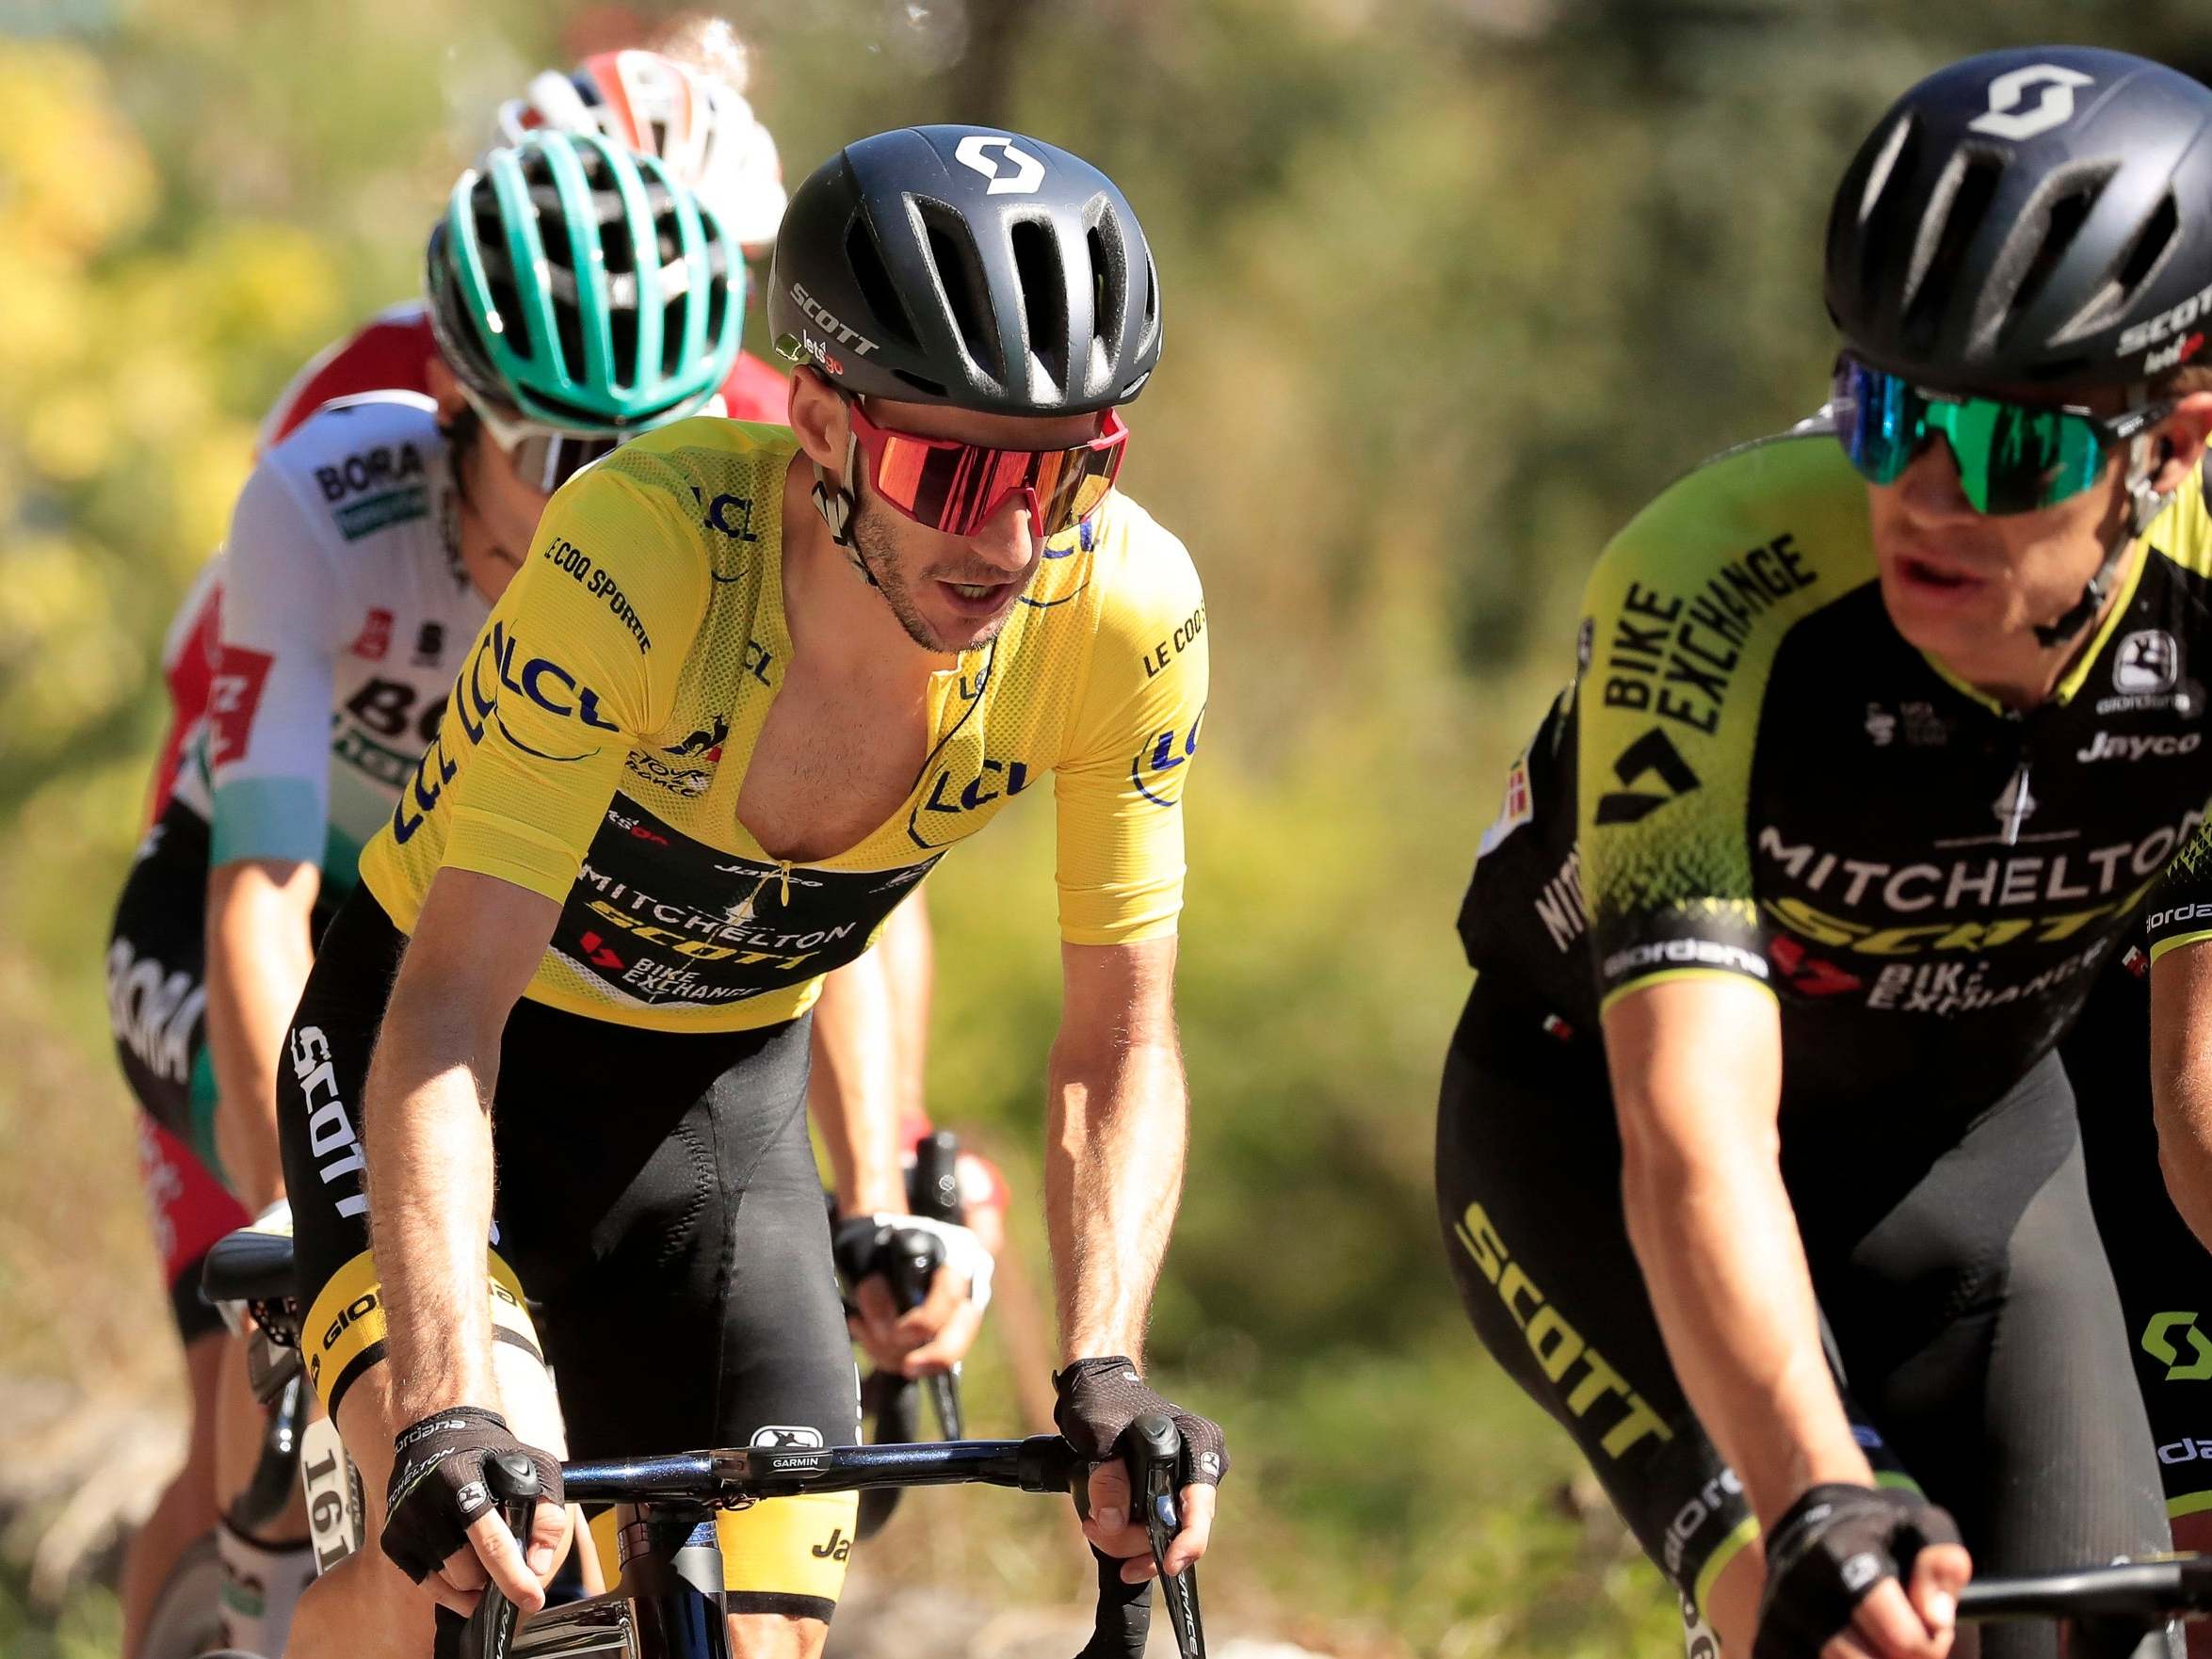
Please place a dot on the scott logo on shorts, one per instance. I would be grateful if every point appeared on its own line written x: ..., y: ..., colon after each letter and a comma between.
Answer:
x: 329, y: 1127
x: 1559, y: 1347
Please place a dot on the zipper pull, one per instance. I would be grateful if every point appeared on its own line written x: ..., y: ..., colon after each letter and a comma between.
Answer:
x: 2014, y: 806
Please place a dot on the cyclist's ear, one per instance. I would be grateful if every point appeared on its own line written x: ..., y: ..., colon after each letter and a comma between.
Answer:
x: 2181, y: 438
x: 820, y: 420
x: 444, y: 389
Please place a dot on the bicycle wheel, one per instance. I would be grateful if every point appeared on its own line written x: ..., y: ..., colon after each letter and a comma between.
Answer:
x: 187, y: 1619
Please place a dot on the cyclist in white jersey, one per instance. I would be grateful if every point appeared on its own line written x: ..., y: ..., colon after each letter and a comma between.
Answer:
x: 364, y: 553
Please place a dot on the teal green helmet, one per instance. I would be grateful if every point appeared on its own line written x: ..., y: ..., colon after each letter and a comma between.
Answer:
x: 583, y: 287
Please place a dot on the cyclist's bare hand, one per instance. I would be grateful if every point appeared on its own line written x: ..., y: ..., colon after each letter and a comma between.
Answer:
x: 1920, y: 1623
x: 935, y: 1333
x: 1116, y: 1532
x: 442, y: 1522
x: 492, y: 1557
x: 1832, y: 1587
x: 929, y: 1338
x: 951, y: 1344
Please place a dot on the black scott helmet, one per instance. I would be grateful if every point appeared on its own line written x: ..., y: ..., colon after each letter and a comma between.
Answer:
x: 2039, y: 217
x: 970, y: 267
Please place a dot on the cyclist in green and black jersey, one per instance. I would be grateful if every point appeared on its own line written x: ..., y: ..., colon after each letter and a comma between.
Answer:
x: 1801, y: 881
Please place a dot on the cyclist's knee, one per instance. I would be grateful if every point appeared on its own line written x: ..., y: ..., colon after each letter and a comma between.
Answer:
x: 776, y: 1635
x: 363, y: 1608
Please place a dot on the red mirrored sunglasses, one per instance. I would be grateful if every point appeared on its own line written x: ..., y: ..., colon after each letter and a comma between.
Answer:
x: 945, y: 485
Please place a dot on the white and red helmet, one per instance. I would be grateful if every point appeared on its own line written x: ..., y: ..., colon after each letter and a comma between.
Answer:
x: 700, y: 128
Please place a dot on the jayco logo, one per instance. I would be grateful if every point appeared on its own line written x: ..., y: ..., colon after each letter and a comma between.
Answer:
x: 2108, y: 746
x: 2055, y: 108
x: 1028, y: 173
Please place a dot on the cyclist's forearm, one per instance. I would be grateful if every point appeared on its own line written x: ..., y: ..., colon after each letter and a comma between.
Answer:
x: 258, y: 957
x: 1118, y: 1120
x: 2181, y: 1080
x: 910, y: 970
x: 1727, y: 1277
x: 1696, y: 1066
x: 427, y: 1135
x: 852, y: 1091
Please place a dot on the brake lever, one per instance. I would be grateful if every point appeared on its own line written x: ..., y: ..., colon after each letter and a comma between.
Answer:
x: 945, y: 1401
x: 1154, y: 1450
x: 913, y: 1268
x: 513, y: 1480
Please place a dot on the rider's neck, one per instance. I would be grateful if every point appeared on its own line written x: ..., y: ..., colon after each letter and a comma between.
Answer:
x: 2018, y: 671
x: 835, y: 616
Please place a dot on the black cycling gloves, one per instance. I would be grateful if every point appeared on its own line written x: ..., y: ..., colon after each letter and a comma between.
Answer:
x: 1101, y: 1397
x: 438, y: 1487
x: 1828, y: 1551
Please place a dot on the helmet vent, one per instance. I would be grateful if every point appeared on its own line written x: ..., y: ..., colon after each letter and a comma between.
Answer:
x: 618, y: 255
x: 878, y: 292
x: 1886, y: 165
x: 676, y: 297
x: 961, y: 283
x: 1961, y: 202
x: 560, y: 253
x: 2147, y: 256
x: 1109, y: 284
x: 2047, y: 233
x: 506, y: 299
x: 1044, y: 298
x: 719, y: 291
x: 1881, y: 207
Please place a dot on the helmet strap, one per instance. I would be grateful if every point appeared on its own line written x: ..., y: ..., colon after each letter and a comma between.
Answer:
x: 2144, y: 504
x: 461, y: 434
x: 837, y: 505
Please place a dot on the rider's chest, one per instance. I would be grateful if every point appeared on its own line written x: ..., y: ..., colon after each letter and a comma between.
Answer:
x: 830, y: 764
x: 1892, y: 814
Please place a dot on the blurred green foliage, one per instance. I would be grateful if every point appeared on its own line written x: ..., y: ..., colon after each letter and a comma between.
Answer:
x: 1451, y: 286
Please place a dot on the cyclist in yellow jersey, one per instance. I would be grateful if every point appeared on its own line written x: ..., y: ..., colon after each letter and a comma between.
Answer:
x: 748, y: 685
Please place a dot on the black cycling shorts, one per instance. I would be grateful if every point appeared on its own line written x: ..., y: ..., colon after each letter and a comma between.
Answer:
x: 1966, y: 1301
x: 658, y: 1196
x: 156, y: 1010
x: 2164, y: 1274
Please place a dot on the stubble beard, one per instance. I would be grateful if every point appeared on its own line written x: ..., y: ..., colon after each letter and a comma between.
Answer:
x: 873, y: 535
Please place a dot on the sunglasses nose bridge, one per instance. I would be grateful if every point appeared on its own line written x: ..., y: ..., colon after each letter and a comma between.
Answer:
x: 996, y: 535
x: 1933, y: 479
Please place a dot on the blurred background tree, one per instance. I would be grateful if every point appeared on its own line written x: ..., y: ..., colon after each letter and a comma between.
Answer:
x: 1451, y: 287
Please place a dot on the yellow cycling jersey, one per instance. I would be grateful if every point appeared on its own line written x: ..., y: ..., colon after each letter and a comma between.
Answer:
x: 598, y: 734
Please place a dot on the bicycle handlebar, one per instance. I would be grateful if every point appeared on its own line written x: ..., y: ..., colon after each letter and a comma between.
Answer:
x: 1041, y: 1463
x: 2151, y: 1591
